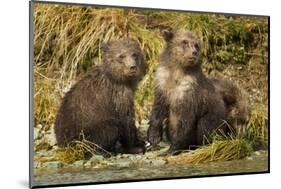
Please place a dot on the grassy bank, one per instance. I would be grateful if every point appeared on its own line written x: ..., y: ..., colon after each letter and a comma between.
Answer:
x: 67, y: 42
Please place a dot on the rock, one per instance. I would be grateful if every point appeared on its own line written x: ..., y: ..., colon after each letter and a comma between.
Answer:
x: 36, y: 133
x: 135, y: 158
x: 137, y: 124
x: 249, y: 158
x: 36, y: 165
x: 163, y: 144
x: 154, y: 162
x: 97, y: 158
x: 52, y: 164
x: 45, y: 140
x: 51, y: 140
x: 147, y: 161
x: 39, y: 126
x: 123, y: 163
x: 55, y: 147
x: 118, y: 156
x: 88, y: 164
x: 158, y: 162
x: 79, y: 163
x: 51, y: 137
x: 257, y: 153
x: 125, y: 156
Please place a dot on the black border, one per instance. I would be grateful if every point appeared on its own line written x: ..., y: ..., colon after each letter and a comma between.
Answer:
x: 31, y: 120
x: 31, y: 95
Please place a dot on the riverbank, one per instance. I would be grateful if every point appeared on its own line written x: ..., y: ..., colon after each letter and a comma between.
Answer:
x: 139, y: 167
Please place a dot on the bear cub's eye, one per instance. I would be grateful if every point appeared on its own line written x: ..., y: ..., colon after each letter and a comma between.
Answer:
x: 185, y: 42
x: 135, y: 55
x: 196, y: 46
x: 122, y: 56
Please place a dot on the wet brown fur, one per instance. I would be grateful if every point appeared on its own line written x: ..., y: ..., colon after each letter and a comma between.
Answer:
x: 184, y: 96
x: 236, y: 101
x: 101, y: 104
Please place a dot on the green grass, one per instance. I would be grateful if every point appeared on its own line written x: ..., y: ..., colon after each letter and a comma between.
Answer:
x: 67, y: 42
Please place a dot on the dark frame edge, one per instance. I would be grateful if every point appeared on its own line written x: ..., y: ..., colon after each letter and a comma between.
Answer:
x: 31, y: 115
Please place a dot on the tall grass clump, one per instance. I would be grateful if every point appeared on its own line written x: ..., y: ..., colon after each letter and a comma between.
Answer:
x: 257, y: 128
x: 220, y: 150
x: 46, y: 100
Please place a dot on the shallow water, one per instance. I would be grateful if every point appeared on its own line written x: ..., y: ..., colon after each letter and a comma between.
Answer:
x: 256, y: 163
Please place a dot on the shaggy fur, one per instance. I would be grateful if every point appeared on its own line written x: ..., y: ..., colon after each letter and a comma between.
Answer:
x: 194, y: 108
x: 101, y: 105
x: 236, y: 101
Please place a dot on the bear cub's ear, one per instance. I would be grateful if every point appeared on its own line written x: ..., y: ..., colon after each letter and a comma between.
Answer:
x: 104, y: 47
x: 108, y: 45
x: 167, y: 34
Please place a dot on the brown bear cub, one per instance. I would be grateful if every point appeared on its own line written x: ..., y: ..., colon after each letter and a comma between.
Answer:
x: 101, y: 105
x: 237, y: 104
x: 184, y: 96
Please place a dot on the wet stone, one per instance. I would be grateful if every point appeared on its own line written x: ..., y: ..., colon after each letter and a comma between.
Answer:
x: 131, y: 157
x: 147, y: 161
x: 39, y: 126
x: 154, y: 162
x: 55, y: 147
x: 97, y: 158
x: 158, y: 162
x: 163, y: 144
x: 123, y: 163
x: 50, y: 137
x: 122, y: 156
x: 88, y: 164
x: 135, y: 157
x: 36, y: 133
x: 79, y: 163
x: 37, y: 165
x: 52, y: 164
x: 249, y: 158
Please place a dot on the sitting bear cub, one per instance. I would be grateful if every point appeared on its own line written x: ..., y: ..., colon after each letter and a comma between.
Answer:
x: 101, y: 105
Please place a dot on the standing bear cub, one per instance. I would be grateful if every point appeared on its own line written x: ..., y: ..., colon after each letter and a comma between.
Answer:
x: 184, y: 96
x: 101, y: 105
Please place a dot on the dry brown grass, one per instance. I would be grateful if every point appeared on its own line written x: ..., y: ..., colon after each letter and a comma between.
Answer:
x: 217, y: 151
